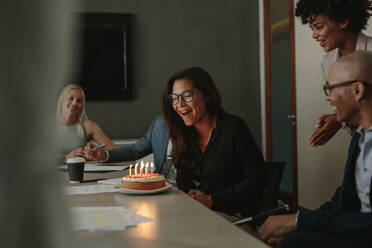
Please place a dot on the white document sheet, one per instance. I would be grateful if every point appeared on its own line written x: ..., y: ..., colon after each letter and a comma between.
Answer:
x: 112, y: 181
x: 90, y: 189
x: 98, y: 167
x: 104, y: 218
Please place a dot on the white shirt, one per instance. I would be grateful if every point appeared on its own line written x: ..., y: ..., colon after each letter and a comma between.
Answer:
x: 363, y: 169
x: 364, y: 42
x: 172, y: 174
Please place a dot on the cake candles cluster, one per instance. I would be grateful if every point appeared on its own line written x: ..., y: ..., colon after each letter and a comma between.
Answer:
x: 142, y: 177
x: 141, y: 169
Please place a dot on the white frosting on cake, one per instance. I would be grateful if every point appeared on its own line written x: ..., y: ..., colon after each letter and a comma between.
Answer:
x: 144, y: 179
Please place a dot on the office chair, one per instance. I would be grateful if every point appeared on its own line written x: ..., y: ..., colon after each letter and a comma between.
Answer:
x: 270, y: 205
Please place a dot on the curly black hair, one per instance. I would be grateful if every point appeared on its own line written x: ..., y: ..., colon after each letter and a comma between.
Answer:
x: 356, y: 12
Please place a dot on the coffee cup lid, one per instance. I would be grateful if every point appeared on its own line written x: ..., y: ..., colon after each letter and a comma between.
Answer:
x: 75, y: 160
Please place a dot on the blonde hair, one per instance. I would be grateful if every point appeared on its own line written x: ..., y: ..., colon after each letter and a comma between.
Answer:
x: 82, y: 116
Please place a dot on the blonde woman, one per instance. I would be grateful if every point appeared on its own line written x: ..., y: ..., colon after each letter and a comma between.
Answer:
x: 74, y: 128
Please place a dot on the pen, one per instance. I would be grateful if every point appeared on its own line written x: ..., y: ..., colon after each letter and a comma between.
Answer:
x: 101, y: 145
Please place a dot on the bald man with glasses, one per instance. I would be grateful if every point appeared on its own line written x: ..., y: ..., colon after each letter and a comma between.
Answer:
x: 345, y: 220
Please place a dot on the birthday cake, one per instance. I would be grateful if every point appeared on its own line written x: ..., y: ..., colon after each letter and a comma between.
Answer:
x: 143, y: 182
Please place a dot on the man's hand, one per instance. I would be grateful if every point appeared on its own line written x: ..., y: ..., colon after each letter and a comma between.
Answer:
x: 275, y: 241
x: 204, y: 199
x: 275, y: 227
x: 326, y: 127
x: 91, y: 152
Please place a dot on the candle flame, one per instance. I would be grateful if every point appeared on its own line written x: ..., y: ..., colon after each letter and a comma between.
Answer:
x: 147, y: 165
x: 152, y: 168
x: 130, y: 166
x: 142, y: 164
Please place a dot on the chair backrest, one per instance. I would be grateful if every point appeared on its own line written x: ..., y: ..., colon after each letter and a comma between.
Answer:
x: 269, y: 203
x: 270, y: 198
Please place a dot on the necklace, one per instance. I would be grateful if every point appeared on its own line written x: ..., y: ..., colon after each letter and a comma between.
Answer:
x: 209, y: 136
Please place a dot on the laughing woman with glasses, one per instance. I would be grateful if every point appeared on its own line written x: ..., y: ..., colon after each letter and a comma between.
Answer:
x: 218, y: 162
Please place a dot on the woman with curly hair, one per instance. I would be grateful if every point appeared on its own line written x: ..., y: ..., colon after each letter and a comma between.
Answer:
x: 218, y: 162
x: 337, y: 25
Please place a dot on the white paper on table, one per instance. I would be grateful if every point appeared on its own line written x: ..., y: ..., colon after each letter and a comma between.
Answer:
x: 89, y: 189
x: 93, y: 163
x: 112, y: 181
x: 98, y: 167
x: 104, y: 218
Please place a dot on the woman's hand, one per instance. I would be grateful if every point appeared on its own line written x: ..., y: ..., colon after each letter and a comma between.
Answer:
x: 91, y: 152
x: 326, y: 127
x: 79, y: 152
x: 204, y: 199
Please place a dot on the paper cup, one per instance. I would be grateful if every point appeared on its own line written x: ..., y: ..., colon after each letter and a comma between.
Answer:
x: 76, y: 169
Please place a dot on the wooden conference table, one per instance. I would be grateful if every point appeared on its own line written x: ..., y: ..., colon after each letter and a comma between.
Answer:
x: 179, y: 221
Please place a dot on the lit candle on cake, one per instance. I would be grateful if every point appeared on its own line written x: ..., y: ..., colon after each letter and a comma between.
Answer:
x: 135, y: 169
x: 130, y: 170
x: 147, y: 169
x: 152, y: 168
x: 141, y: 168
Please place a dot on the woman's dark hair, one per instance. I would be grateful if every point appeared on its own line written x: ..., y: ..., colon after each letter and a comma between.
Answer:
x: 185, y: 139
x: 356, y: 12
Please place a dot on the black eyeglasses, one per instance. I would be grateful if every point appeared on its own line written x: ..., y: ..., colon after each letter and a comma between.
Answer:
x: 327, y: 87
x: 186, y: 96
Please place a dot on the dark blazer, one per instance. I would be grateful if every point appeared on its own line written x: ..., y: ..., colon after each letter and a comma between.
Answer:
x: 155, y: 141
x: 341, y: 215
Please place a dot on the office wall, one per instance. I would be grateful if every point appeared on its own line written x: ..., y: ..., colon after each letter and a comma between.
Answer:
x: 170, y: 35
x: 320, y: 169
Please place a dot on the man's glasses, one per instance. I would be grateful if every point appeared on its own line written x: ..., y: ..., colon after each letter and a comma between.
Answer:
x: 327, y: 87
x: 186, y: 96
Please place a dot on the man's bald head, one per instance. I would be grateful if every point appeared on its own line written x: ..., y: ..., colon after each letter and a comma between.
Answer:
x: 351, y: 95
x: 353, y: 66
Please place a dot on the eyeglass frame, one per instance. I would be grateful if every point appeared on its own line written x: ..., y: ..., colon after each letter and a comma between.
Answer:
x: 328, y: 86
x: 182, y: 97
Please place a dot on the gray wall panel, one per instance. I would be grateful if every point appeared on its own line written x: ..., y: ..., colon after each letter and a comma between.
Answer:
x: 170, y: 35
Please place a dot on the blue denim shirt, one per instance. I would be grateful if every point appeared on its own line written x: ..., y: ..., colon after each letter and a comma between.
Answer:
x: 363, y: 169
